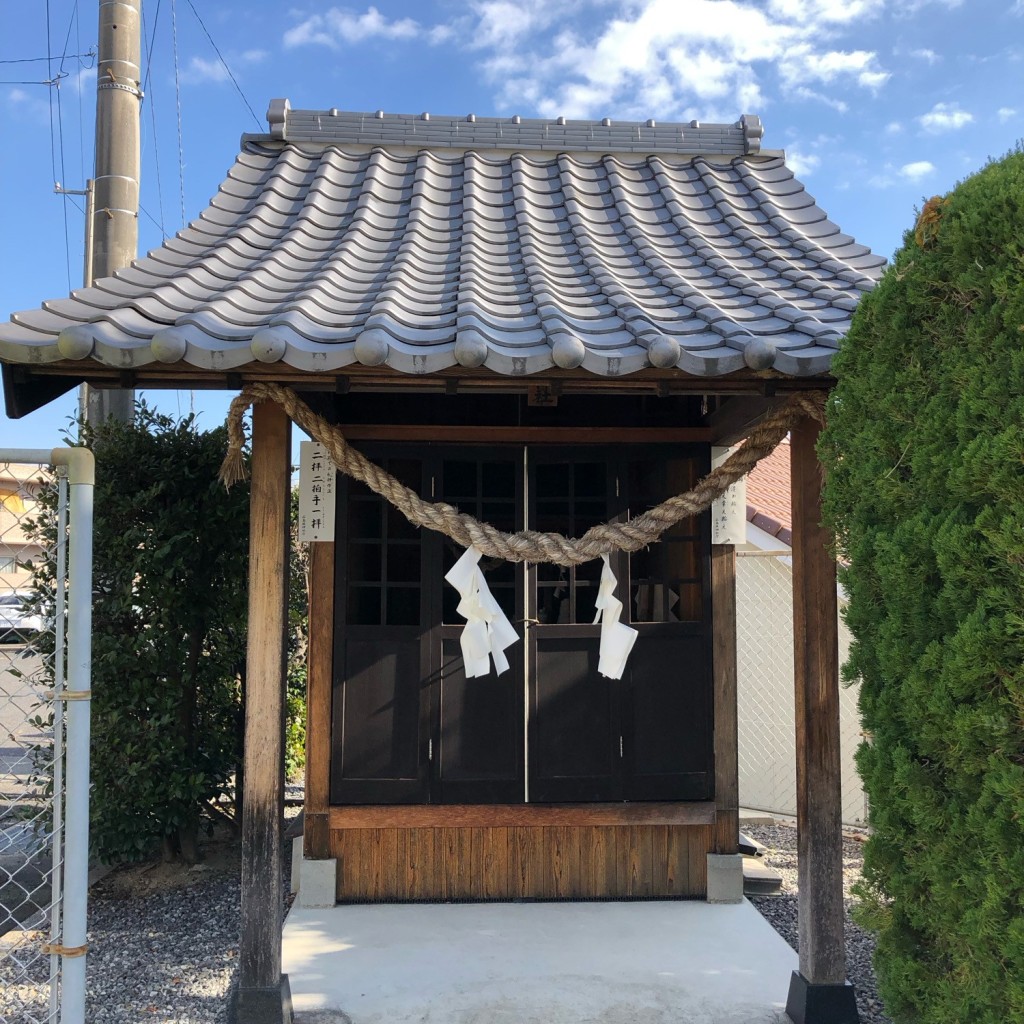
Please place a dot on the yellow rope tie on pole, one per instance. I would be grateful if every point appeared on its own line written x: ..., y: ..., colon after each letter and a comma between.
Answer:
x: 528, y: 545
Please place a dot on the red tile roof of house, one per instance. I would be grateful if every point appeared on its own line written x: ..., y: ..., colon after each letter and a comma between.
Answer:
x: 768, y: 495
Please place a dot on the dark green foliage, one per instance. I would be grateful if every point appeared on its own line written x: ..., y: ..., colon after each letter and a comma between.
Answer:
x: 298, y: 644
x: 169, y: 611
x: 925, y: 457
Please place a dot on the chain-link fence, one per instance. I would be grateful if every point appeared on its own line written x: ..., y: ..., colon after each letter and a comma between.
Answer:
x: 767, y: 746
x: 31, y: 735
x: 43, y: 708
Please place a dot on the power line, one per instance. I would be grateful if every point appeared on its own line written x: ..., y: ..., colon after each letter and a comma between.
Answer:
x: 60, y: 130
x: 152, y: 114
x: 177, y: 97
x: 234, y: 81
x: 39, y: 60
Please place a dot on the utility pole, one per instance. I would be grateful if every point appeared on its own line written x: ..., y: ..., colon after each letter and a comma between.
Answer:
x: 115, y: 218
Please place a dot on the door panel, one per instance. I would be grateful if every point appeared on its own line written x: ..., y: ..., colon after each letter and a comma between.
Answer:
x: 574, y: 729
x: 410, y: 728
x: 479, y: 753
x: 667, y: 736
x: 378, y: 728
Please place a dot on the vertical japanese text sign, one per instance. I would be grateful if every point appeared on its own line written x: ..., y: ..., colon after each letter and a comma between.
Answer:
x: 316, y: 493
x: 728, y: 512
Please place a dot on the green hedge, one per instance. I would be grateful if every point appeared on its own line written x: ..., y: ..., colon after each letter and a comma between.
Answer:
x: 925, y: 490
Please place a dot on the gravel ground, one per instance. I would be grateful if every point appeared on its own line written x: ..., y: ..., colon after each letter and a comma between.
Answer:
x: 163, y: 939
x: 780, y: 911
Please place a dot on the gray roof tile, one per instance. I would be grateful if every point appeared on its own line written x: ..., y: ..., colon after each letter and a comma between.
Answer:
x: 516, y: 246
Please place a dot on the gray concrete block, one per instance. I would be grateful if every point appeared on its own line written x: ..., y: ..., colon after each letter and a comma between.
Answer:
x: 296, y: 862
x: 317, y: 885
x: 725, y: 878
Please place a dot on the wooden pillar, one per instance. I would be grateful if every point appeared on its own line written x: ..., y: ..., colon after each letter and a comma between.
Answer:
x: 818, y: 993
x: 262, y: 994
x: 723, y: 641
x: 319, y: 686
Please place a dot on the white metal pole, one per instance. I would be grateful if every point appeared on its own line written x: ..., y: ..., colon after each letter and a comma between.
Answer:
x: 80, y: 465
x: 57, y: 840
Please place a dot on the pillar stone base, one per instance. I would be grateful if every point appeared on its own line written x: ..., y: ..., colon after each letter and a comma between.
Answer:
x: 318, y: 883
x: 821, y: 1004
x: 261, y: 1005
x: 725, y: 878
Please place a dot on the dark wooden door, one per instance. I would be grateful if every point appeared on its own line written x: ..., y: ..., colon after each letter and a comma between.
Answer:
x: 574, y: 728
x: 380, y: 713
x: 648, y: 736
x: 478, y: 754
x: 408, y: 727
x: 668, y: 711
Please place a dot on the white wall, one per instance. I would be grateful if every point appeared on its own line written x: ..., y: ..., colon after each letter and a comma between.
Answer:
x: 767, y: 748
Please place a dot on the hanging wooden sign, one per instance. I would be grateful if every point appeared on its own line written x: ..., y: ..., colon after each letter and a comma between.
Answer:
x: 316, y: 493
x: 729, y: 511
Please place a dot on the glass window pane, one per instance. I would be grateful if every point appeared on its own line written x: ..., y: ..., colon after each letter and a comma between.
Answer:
x: 364, y: 606
x: 407, y: 471
x: 364, y: 562
x: 552, y: 604
x: 689, y: 606
x: 590, y: 479
x: 403, y: 606
x: 552, y: 480
x: 586, y: 603
x: 500, y: 514
x: 364, y: 519
x: 399, y: 528
x: 403, y: 563
x: 588, y: 514
x: 499, y: 480
x: 460, y: 480
x: 553, y: 517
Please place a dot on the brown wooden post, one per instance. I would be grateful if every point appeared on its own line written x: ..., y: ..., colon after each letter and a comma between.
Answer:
x: 262, y: 995
x: 818, y: 993
x: 723, y: 641
x: 319, y: 684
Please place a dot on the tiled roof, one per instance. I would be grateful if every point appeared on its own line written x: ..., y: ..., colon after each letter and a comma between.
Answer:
x: 519, y: 246
x: 769, y: 504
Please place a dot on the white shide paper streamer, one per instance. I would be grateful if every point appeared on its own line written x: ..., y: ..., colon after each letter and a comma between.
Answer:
x: 487, y: 631
x: 617, y: 638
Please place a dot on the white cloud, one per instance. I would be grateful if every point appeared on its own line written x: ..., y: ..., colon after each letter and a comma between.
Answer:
x: 340, y: 25
x: 944, y: 117
x: 202, y: 70
x: 826, y: 10
x: 706, y: 59
x: 802, y: 164
x: 1006, y: 113
x: 199, y: 69
x: 926, y: 55
x: 917, y: 170
x: 28, y: 106
x: 893, y: 128
x: 83, y: 81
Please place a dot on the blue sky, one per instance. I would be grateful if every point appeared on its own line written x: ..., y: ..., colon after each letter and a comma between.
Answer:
x: 877, y: 103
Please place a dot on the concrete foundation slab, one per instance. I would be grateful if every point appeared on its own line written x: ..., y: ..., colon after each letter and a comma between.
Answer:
x: 537, y: 963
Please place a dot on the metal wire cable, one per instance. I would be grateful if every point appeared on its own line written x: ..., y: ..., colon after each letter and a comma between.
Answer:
x: 40, y: 60
x: 152, y: 115
x: 177, y: 97
x: 60, y: 134
x: 220, y: 56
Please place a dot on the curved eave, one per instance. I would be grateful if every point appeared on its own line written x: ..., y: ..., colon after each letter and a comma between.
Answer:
x: 319, y: 259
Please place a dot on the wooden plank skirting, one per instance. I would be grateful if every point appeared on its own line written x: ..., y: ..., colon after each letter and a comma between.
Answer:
x: 507, y: 815
x: 509, y: 862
